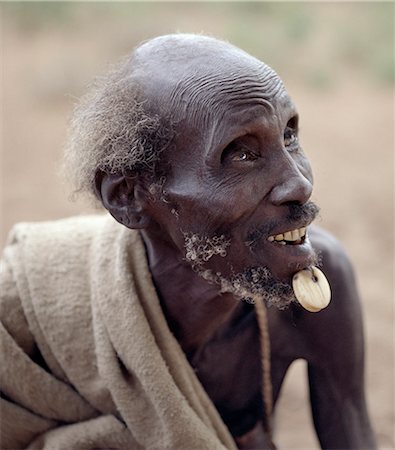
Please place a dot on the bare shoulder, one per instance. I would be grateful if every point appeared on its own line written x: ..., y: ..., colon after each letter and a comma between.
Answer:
x: 330, y: 249
x: 340, y: 323
x: 338, y: 269
x: 334, y: 259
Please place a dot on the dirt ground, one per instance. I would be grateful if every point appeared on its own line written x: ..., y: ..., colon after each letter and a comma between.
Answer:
x: 347, y: 130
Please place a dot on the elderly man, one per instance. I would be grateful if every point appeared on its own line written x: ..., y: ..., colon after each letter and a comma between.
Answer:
x: 151, y: 330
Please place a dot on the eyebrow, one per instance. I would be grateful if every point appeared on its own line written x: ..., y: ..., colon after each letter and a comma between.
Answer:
x: 248, y: 112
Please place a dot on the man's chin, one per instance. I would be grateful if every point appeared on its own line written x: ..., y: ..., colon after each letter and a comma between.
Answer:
x: 255, y: 284
x: 250, y: 283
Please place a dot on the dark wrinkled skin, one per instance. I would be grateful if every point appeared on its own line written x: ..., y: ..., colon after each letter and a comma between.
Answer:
x: 219, y: 95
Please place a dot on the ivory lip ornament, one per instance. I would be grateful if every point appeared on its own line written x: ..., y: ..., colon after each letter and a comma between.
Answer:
x: 311, y: 288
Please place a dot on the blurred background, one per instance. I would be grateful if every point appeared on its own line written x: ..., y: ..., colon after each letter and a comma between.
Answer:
x: 336, y: 60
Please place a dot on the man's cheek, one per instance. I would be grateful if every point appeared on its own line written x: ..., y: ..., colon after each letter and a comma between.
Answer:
x: 200, y: 249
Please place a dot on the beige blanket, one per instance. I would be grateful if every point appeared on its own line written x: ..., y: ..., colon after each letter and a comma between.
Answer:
x: 88, y: 360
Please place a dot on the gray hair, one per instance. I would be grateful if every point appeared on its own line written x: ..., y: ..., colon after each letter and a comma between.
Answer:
x: 111, y: 131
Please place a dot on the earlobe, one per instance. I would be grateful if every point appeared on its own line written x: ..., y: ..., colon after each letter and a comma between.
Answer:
x: 122, y: 197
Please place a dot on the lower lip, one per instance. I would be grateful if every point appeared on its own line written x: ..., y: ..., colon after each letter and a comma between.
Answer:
x: 288, y: 258
x: 291, y: 249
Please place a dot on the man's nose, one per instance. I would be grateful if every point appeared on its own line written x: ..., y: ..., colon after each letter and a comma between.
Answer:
x: 292, y: 187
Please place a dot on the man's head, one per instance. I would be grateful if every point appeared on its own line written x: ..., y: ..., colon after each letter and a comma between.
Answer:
x: 196, y: 142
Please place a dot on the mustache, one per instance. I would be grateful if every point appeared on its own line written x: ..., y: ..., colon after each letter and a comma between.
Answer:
x: 305, y: 213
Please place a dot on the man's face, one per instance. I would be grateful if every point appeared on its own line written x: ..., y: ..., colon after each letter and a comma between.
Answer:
x: 237, y: 178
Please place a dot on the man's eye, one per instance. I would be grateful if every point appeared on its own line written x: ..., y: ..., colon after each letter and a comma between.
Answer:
x: 243, y: 155
x: 241, y: 150
x: 290, y: 138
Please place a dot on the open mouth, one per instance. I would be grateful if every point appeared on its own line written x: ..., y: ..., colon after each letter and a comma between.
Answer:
x: 292, y: 237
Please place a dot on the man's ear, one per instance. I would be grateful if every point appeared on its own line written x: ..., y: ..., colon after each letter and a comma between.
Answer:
x: 124, y: 198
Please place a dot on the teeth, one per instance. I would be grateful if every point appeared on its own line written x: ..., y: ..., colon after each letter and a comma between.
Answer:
x: 291, y: 236
x: 295, y: 235
x: 288, y: 236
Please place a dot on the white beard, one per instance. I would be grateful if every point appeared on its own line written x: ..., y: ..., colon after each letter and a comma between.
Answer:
x: 254, y: 283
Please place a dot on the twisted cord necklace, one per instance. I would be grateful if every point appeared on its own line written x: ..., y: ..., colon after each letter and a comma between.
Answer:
x: 267, y: 390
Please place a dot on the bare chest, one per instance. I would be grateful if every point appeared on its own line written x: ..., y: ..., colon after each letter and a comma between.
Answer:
x: 230, y: 369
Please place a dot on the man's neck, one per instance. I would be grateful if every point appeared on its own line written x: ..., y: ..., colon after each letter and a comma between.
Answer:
x: 195, y: 310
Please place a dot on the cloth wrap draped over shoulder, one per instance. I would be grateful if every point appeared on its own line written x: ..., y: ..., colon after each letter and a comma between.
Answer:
x: 88, y: 359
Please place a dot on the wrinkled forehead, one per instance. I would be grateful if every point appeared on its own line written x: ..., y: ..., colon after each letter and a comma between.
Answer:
x: 200, y: 79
